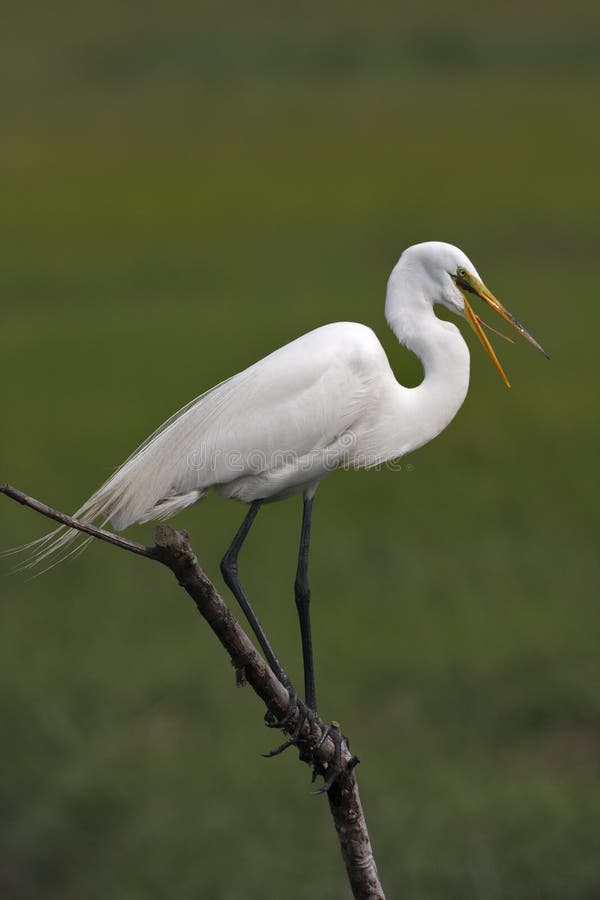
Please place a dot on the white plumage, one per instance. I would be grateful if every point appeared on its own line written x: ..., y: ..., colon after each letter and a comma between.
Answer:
x: 327, y: 399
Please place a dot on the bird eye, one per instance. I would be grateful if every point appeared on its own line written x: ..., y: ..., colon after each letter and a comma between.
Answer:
x: 462, y: 273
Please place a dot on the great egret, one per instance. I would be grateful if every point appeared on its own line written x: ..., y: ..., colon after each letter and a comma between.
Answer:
x: 327, y: 399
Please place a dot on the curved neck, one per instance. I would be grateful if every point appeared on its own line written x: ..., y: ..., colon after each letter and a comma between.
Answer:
x: 443, y: 354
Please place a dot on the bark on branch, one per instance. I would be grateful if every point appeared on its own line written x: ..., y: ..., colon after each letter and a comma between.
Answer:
x: 173, y: 549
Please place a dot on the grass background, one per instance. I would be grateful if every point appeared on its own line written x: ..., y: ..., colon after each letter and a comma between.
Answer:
x: 184, y: 189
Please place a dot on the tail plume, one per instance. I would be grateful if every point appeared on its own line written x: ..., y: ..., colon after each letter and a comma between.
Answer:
x: 64, y: 542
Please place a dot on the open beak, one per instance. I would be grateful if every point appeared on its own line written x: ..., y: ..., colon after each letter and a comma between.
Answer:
x: 477, y: 287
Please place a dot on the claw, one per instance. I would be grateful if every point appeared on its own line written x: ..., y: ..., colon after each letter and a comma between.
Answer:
x: 278, y: 750
x: 328, y: 784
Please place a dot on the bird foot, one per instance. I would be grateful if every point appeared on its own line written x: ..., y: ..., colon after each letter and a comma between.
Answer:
x: 310, y: 744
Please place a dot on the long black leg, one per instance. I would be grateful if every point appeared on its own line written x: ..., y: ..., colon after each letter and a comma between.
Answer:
x: 229, y: 570
x: 302, y: 592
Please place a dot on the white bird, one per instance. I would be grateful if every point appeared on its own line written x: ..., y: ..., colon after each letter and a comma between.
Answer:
x: 325, y: 400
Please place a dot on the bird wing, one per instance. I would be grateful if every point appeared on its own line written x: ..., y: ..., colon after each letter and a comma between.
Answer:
x: 295, y: 401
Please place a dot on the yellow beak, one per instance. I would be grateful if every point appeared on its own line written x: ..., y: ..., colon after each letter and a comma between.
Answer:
x: 470, y: 283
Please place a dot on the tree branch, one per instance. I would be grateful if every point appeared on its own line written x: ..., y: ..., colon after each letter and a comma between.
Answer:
x: 173, y: 550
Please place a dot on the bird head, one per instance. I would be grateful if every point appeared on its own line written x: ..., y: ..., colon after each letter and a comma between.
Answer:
x: 447, y: 275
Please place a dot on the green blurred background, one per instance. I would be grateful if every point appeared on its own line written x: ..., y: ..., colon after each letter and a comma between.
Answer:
x: 183, y: 189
